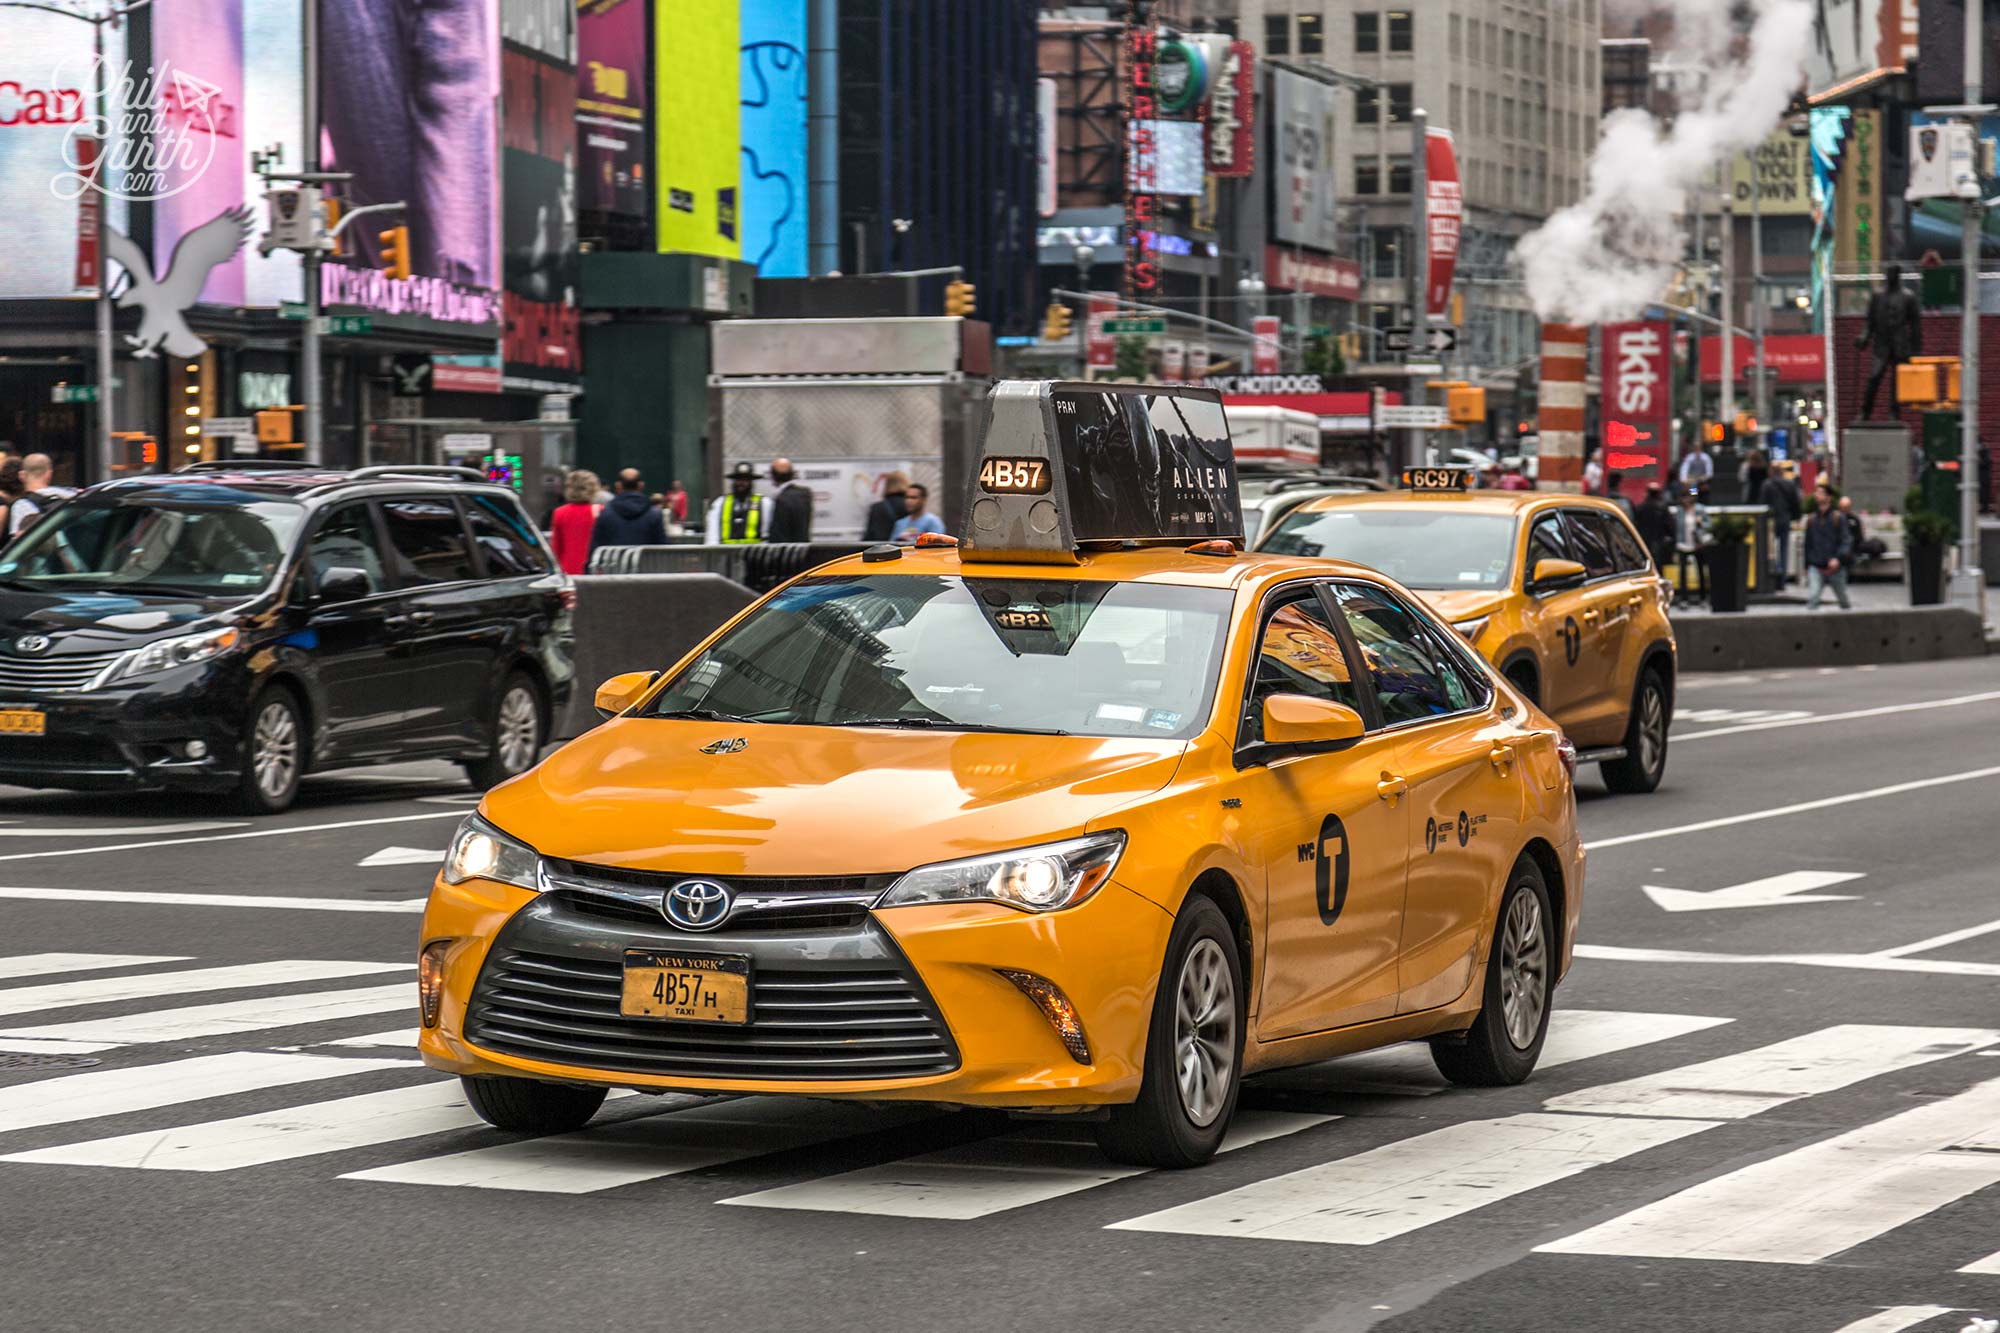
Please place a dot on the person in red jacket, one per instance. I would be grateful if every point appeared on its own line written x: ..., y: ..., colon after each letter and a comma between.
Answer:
x: 570, y: 524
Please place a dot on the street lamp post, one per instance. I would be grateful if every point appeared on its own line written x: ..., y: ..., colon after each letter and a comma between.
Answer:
x: 1085, y: 258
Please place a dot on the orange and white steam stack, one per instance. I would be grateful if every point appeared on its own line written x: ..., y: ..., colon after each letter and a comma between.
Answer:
x: 1565, y: 357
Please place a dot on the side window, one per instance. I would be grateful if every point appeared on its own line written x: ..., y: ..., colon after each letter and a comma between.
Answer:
x: 1546, y: 541
x: 1414, y: 675
x: 345, y: 539
x: 1626, y: 549
x: 1592, y: 542
x: 1299, y: 653
x: 503, y: 537
x: 427, y: 541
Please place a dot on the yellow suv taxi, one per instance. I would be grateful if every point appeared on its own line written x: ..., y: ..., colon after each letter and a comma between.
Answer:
x: 1091, y: 814
x: 1557, y: 591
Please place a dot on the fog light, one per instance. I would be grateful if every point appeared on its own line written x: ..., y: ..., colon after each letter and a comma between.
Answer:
x: 1055, y: 1007
x: 195, y: 749
x: 430, y: 981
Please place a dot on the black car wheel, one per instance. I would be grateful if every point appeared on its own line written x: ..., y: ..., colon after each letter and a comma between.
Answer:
x: 517, y: 735
x: 1645, y: 761
x: 1505, y: 1041
x: 527, y: 1106
x: 274, y: 750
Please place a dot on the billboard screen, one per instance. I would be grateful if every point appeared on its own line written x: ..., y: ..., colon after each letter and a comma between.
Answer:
x: 1636, y: 368
x: 1166, y: 155
x: 611, y: 107
x: 696, y: 50
x: 541, y: 338
x: 773, y: 131
x: 1301, y: 121
x: 198, y: 74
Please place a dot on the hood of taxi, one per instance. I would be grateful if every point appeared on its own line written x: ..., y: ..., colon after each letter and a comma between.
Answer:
x: 1463, y: 603
x: 639, y: 793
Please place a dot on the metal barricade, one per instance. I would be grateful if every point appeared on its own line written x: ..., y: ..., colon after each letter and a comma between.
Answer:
x: 759, y: 566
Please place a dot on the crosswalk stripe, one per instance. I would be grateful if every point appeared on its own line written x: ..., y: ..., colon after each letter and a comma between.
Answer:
x: 216, y: 1020
x: 401, y: 1038
x: 1990, y: 1264
x: 1418, y: 1182
x: 1817, y: 1201
x: 605, y: 1157
x: 1895, y: 1318
x: 1581, y: 1034
x: 106, y: 1092
x: 42, y: 964
x: 1737, y: 1086
x: 992, y: 1175
x: 153, y: 985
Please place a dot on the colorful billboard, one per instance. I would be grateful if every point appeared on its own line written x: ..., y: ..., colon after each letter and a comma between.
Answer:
x: 1232, y: 113
x: 1444, y: 211
x: 612, y: 74
x: 697, y: 55
x: 1635, y: 364
x: 541, y: 338
x: 772, y: 128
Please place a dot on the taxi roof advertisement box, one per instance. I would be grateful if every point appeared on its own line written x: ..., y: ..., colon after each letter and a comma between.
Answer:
x: 1637, y: 403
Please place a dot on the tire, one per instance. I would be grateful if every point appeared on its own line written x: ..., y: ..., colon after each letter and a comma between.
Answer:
x: 527, y: 1106
x: 517, y: 734
x: 1175, y: 1124
x: 274, y: 753
x: 1645, y: 761
x: 1505, y: 1041
x: 1523, y: 680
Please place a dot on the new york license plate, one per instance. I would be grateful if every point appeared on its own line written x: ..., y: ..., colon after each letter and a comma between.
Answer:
x: 23, y: 721
x: 686, y: 988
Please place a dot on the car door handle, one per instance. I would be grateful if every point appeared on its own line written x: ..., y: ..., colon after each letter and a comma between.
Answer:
x: 1635, y: 600
x: 395, y: 622
x: 1590, y: 616
x: 1501, y: 756
x: 421, y: 619
x: 1391, y: 788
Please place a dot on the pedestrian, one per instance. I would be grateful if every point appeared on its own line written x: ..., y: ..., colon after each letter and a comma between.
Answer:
x: 1655, y: 522
x: 886, y: 512
x: 1616, y: 494
x: 791, y: 505
x: 1691, y: 543
x: 1697, y: 469
x: 631, y: 518
x: 1593, y: 472
x: 11, y: 490
x: 1866, y: 548
x: 1511, y: 478
x: 916, y: 520
x: 1756, y: 467
x: 1829, y: 546
x: 740, y: 517
x: 1781, y: 499
x: 677, y: 502
x: 571, y: 524
x: 38, y: 495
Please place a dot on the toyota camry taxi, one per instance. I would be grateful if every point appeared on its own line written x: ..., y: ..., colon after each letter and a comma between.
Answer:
x: 1556, y: 591
x: 1086, y: 814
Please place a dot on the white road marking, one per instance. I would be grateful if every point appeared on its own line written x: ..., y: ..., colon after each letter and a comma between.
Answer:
x: 42, y: 964
x: 1795, y: 886
x: 119, y: 831
x: 1754, y: 816
x: 1704, y: 715
x: 217, y: 1020
x: 399, y: 1037
x: 606, y: 1157
x: 1990, y: 1264
x: 1940, y: 941
x: 1895, y: 1318
x: 993, y: 1175
x: 152, y: 985
x: 230, y: 900
x: 1860, y: 962
x: 281, y: 832
x: 403, y: 856
x: 107, y: 1092
x: 1820, y: 1200
x: 1737, y: 1086
x: 1418, y: 1182
x: 1921, y: 706
x: 1581, y: 1034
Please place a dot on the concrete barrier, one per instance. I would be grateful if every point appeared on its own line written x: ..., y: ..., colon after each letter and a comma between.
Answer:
x: 640, y: 622
x: 1989, y: 551
x: 1755, y: 640
x: 758, y: 566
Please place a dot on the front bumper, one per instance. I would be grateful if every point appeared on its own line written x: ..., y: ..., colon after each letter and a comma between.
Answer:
x: 905, y: 1004
x: 129, y: 737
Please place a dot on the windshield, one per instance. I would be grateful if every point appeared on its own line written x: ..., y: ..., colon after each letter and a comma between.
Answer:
x: 136, y: 544
x: 1419, y: 548
x: 1039, y: 655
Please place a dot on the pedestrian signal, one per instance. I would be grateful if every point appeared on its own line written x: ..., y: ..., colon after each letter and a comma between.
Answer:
x: 959, y: 298
x: 1466, y: 405
x: 1712, y: 431
x: 1055, y: 322
x: 396, y: 251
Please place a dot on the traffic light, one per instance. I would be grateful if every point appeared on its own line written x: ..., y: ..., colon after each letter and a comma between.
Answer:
x: 1745, y: 424
x: 959, y: 297
x: 1714, y: 431
x: 1466, y: 405
x: 396, y: 251
x: 1055, y: 322
x: 330, y: 210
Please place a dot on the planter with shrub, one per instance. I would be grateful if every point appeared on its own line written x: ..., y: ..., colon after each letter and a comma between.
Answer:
x: 1729, y: 562
x: 1926, y: 536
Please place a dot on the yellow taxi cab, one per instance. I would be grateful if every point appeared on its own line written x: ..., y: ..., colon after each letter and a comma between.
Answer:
x: 1088, y: 813
x: 1556, y: 591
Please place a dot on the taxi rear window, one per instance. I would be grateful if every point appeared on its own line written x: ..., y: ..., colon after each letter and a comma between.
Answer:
x: 1077, y: 657
x: 1419, y: 548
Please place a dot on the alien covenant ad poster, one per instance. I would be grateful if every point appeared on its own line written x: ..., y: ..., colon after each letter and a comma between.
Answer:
x: 1142, y: 465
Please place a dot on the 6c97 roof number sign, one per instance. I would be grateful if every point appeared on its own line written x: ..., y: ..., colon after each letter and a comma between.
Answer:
x: 1014, y: 476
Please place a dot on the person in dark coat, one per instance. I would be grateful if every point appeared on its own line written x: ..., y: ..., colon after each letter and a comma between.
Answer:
x: 1780, y: 495
x: 631, y: 519
x: 885, y: 512
x: 1829, y: 547
x: 1655, y: 522
x: 791, y: 506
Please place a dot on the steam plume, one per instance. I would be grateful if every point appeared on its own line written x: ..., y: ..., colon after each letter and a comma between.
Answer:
x: 1613, y: 252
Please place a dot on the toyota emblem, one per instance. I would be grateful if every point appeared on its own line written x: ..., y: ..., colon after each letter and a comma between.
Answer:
x: 727, y: 745
x: 697, y: 904
x: 32, y: 643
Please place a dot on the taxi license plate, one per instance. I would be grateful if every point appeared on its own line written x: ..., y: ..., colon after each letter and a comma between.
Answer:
x: 23, y: 721
x: 686, y: 988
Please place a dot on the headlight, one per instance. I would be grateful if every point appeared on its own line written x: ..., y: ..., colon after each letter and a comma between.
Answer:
x: 184, y: 651
x: 1471, y: 629
x: 480, y: 851
x: 1035, y: 879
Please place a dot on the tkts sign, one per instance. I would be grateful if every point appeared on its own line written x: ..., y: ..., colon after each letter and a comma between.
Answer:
x: 1636, y: 366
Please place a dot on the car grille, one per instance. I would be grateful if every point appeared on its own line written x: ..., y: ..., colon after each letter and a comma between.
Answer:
x: 791, y: 917
x: 815, y: 886
x: 27, y: 753
x: 838, y: 1020
x: 70, y: 671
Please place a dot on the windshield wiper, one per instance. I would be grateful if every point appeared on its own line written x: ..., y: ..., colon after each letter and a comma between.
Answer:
x: 703, y: 715
x: 939, y: 724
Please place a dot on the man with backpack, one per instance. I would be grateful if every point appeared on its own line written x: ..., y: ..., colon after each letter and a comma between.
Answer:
x: 38, y: 495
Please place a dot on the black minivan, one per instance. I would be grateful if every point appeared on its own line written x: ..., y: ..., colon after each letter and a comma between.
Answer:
x: 233, y: 626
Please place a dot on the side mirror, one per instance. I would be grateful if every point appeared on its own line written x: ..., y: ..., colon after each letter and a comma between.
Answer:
x: 619, y: 693
x: 1295, y: 720
x: 343, y: 583
x: 1549, y: 574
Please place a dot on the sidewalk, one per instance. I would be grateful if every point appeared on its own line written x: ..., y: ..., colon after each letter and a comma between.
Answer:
x: 1883, y: 595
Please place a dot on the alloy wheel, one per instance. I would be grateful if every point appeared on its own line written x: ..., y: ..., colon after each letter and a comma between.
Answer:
x: 1205, y: 1032
x: 519, y: 730
x: 274, y: 749
x: 1523, y: 970
x: 1652, y: 728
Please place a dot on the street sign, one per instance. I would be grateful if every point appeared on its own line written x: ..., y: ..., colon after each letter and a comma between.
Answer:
x: 291, y: 310
x: 1137, y: 324
x: 1399, y: 418
x: 1431, y: 339
x: 346, y: 323
x: 73, y: 393
x: 229, y: 426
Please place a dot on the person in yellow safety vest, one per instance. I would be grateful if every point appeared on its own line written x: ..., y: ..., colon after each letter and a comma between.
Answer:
x: 740, y: 517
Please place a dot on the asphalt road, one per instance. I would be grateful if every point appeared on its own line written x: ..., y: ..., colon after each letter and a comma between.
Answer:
x: 1777, y: 1117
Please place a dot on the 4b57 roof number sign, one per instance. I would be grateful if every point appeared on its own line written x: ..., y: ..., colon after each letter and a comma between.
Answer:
x: 1014, y: 476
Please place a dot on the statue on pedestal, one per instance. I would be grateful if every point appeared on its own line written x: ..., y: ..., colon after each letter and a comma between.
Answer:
x: 1894, y: 328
